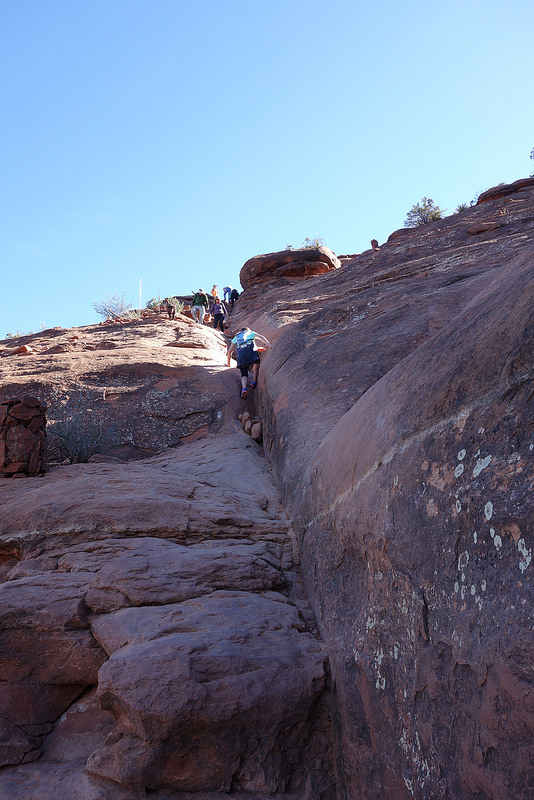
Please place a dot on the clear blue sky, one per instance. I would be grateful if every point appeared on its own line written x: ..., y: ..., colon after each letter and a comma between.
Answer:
x: 170, y: 140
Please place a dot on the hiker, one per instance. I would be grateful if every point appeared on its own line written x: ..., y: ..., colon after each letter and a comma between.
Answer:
x: 227, y: 291
x: 171, y: 310
x: 214, y: 291
x: 246, y: 353
x: 234, y: 294
x: 199, y: 306
x: 217, y: 311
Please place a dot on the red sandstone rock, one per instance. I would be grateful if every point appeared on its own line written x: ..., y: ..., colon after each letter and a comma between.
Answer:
x: 288, y: 263
x: 483, y: 227
x: 408, y: 473
x: 237, y: 557
x: 397, y: 412
x: 22, y: 437
x: 222, y: 668
x: 256, y: 431
x: 505, y: 189
x: 23, y: 350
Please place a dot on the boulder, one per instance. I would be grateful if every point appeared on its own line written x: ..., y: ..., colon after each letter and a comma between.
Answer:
x: 232, y: 677
x: 301, y: 263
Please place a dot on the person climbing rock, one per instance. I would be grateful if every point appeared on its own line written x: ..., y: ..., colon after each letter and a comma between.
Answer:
x: 227, y: 291
x: 171, y: 308
x: 234, y: 294
x: 246, y: 353
x: 200, y: 305
x: 217, y: 312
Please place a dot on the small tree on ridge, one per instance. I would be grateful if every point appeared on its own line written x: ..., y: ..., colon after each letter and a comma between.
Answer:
x: 422, y: 213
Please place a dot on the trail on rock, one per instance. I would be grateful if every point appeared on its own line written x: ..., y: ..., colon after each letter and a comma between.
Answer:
x: 154, y: 629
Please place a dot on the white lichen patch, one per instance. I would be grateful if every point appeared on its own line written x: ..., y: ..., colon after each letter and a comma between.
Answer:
x: 497, y: 541
x: 380, y: 682
x: 481, y: 464
x: 458, y: 506
x: 461, y: 455
x: 463, y: 560
x: 475, y: 537
x: 526, y: 555
x: 459, y: 470
x: 488, y: 510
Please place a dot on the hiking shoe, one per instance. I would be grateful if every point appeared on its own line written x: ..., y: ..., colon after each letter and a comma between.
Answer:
x: 252, y: 384
x: 244, y: 394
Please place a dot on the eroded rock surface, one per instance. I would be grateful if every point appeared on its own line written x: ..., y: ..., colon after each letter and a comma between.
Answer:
x: 156, y: 636
x: 398, y: 404
x: 154, y: 632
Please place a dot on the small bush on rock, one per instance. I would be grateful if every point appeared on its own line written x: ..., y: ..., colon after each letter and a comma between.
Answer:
x: 113, y: 307
x: 422, y: 213
x: 76, y: 429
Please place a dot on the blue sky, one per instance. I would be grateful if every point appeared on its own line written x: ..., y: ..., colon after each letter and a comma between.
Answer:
x: 165, y: 142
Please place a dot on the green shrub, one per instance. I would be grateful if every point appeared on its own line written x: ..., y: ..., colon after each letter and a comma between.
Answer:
x: 422, y: 213
x: 154, y: 303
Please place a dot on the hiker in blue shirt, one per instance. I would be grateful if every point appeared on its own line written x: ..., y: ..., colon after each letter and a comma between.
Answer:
x: 246, y: 353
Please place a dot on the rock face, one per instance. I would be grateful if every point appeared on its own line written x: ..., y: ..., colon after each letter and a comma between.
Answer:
x: 22, y: 437
x: 398, y: 417
x: 288, y: 263
x: 157, y: 636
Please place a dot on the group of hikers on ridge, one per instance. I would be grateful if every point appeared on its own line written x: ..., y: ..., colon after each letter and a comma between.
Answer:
x: 243, y: 347
x: 201, y: 305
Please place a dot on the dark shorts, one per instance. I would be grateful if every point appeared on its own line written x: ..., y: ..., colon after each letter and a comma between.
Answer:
x: 243, y: 368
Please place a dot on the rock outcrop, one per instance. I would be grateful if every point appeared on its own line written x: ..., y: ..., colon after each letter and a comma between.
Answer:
x: 179, y: 620
x: 301, y: 263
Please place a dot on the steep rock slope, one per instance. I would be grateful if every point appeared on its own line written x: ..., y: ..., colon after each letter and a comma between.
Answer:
x: 154, y: 633
x: 399, y: 419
